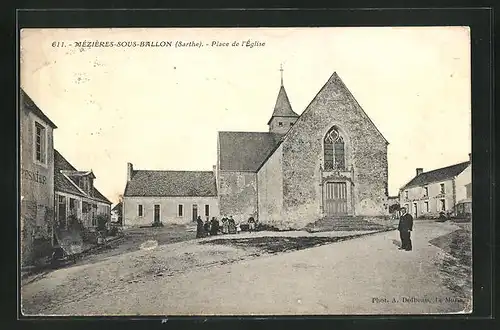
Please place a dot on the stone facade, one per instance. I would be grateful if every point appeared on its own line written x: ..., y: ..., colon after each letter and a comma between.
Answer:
x: 365, y: 173
x: 292, y: 184
x: 270, y: 183
x: 36, y: 181
x: 419, y: 204
x: 238, y: 194
x: 169, y: 209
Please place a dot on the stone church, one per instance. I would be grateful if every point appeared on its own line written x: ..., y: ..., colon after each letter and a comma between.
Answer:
x: 330, y: 161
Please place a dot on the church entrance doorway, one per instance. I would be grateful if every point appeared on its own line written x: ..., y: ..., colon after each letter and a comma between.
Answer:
x: 336, y: 198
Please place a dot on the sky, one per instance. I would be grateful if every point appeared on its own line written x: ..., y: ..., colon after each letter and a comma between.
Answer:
x: 161, y: 107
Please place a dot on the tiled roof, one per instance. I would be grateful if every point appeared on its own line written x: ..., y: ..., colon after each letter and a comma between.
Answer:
x: 28, y: 103
x: 117, y: 207
x: 245, y: 151
x: 63, y: 184
x: 282, y: 107
x: 171, y: 183
x: 439, y: 174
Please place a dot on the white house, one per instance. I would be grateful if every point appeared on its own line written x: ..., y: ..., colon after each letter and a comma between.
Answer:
x: 153, y: 196
x: 439, y: 190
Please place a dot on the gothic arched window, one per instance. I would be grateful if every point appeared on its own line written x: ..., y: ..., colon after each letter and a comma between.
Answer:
x: 334, y: 150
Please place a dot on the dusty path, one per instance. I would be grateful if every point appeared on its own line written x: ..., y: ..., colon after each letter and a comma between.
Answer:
x: 350, y: 277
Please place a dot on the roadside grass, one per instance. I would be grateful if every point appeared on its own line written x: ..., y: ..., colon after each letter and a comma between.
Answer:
x: 456, y: 265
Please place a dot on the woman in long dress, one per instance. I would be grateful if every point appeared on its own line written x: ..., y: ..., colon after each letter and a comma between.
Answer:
x: 225, y: 226
x: 200, y: 230
x: 232, y: 226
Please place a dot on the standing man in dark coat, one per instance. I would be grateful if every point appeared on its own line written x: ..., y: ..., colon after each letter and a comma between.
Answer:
x: 405, y: 227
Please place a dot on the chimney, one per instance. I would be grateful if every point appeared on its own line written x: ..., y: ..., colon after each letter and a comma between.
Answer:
x: 419, y: 171
x: 470, y: 158
x: 130, y: 169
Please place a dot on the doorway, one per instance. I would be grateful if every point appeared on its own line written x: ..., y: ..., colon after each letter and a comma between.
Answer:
x: 61, y: 212
x: 415, y: 211
x: 195, y: 212
x: 157, y: 214
x: 336, y: 198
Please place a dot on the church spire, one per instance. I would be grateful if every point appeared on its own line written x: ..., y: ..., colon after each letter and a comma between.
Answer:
x: 283, y: 116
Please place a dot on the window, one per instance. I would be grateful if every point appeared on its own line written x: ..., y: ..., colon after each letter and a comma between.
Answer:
x: 94, y: 213
x: 280, y: 123
x: 442, y: 205
x: 40, y: 141
x: 406, y: 194
x: 334, y: 150
x: 207, y: 210
x: 139, y: 210
x: 426, y: 191
x: 426, y: 204
x: 441, y: 188
x: 180, y: 210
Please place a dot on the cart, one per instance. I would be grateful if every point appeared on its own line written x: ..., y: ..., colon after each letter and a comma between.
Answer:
x: 67, y: 250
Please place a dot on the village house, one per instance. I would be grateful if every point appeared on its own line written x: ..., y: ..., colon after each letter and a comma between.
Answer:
x: 76, y: 195
x: 168, y: 196
x: 36, y: 180
x: 331, y: 161
x: 440, y: 190
x: 116, y: 213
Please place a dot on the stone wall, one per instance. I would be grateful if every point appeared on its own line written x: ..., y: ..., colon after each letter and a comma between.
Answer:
x: 366, y: 152
x: 270, y: 190
x: 37, y: 189
x: 238, y: 195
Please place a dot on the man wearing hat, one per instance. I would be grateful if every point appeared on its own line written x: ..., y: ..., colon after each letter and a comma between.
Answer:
x: 405, y: 227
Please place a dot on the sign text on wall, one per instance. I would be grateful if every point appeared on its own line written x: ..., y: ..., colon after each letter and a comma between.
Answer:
x: 33, y: 176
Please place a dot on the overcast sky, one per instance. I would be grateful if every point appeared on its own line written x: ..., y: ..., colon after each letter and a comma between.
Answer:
x: 161, y: 107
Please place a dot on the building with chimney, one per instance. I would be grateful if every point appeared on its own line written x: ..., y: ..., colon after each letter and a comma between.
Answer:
x: 154, y: 196
x: 330, y: 161
x: 440, y: 190
x: 76, y: 195
x: 36, y: 180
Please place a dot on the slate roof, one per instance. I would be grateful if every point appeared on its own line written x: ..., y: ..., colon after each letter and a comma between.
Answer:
x: 28, y: 104
x: 63, y: 184
x: 440, y: 174
x: 171, y: 184
x: 245, y: 151
x: 282, y: 107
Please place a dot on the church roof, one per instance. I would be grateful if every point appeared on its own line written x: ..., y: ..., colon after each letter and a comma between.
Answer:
x: 155, y: 183
x: 440, y: 174
x: 63, y: 183
x: 245, y: 151
x: 282, y: 107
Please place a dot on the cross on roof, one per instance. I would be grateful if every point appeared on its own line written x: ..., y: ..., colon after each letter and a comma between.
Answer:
x: 281, y: 69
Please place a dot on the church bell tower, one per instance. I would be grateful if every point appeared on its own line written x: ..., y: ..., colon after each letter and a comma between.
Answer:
x: 283, y: 116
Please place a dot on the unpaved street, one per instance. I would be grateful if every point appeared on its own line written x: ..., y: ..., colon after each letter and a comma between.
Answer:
x: 366, y: 275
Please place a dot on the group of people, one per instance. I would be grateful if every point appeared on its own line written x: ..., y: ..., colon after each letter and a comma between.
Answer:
x: 227, y: 225
x: 214, y: 227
